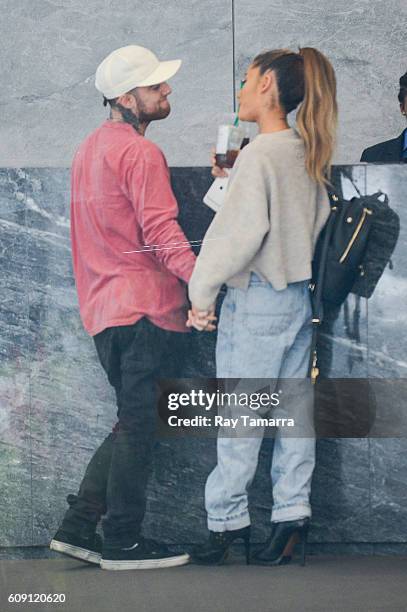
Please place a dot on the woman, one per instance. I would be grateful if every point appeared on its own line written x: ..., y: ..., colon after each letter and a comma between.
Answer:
x: 394, y: 150
x: 261, y: 245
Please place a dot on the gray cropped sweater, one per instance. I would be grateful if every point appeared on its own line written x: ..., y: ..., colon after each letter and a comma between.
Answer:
x: 268, y: 224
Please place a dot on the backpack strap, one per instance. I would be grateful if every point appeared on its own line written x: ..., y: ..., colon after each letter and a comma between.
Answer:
x: 316, y: 287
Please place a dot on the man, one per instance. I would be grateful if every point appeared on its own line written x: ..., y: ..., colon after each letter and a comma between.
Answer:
x: 394, y: 150
x: 131, y: 262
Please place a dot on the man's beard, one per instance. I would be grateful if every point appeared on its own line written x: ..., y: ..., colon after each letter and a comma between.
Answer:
x: 143, y: 116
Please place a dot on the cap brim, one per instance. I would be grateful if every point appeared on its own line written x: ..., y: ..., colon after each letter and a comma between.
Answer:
x: 165, y: 71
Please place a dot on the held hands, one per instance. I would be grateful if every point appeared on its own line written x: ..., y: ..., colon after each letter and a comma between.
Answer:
x: 202, y: 320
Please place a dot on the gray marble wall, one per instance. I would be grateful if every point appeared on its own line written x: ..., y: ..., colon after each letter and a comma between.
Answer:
x: 56, y: 406
x: 50, y: 51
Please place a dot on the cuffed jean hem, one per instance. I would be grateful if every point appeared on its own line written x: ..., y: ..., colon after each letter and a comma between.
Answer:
x: 221, y: 525
x: 290, y: 513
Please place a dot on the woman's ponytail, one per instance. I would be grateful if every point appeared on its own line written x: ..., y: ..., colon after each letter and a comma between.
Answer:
x: 318, y: 113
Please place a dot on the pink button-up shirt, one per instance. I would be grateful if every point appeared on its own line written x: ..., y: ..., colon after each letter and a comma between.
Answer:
x: 121, y: 201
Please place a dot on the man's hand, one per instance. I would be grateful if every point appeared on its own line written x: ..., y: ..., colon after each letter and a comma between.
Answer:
x: 202, y: 320
x: 217, y: 172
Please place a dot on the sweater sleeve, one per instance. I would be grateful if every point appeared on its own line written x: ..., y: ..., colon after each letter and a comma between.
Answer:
x: 237, y: 231
x: 157, y: 213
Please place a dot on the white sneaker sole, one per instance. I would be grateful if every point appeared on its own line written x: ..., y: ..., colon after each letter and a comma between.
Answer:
x: 107, y: 564
x: 75, y: 551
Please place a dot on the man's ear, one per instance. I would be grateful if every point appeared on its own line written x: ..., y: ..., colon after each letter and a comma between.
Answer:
x: 128, y: 101
x: 403, y: 108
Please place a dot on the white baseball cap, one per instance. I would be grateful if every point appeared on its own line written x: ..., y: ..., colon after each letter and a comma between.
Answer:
x: 130, y: 67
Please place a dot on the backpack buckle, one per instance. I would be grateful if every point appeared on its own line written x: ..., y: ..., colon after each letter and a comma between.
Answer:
x: 314, y: 369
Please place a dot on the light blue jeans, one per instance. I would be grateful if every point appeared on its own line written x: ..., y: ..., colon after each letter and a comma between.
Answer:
x: 262, y: 333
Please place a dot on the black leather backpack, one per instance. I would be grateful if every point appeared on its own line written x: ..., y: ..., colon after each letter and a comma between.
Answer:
x: 352, y: 252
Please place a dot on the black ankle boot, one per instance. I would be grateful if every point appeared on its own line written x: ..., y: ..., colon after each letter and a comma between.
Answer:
x: 216, y: 549
x: 279, y: 547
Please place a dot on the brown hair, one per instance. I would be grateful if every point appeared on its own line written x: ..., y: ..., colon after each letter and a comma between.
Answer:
x: 307, y: 78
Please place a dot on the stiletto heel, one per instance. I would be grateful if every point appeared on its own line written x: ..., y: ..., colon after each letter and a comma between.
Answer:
x: 279, y: 548
x: 215, y: 551
x: 247, y: 547
x: 288, y: 550
x: 304, y: 536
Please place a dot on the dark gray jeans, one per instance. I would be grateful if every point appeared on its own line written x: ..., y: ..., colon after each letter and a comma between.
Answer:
x: 134, y: 357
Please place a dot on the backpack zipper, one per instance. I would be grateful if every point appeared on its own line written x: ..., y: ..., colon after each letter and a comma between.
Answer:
x: 366, y: 211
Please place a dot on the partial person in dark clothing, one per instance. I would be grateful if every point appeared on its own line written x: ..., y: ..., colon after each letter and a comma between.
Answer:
x: 394, y: 150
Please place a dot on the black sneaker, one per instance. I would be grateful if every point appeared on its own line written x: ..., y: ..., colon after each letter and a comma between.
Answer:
x: 144, y: 554
x: 84, y: 548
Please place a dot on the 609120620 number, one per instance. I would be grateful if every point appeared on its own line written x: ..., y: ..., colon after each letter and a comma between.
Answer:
x: 37, y: 598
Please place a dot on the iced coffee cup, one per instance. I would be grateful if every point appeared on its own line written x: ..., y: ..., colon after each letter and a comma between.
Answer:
x: 229, y: 141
